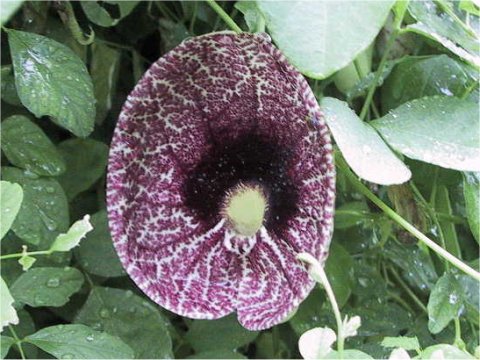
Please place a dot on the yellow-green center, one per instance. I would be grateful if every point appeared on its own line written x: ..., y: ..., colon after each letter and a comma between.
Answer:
x: 244, y: 208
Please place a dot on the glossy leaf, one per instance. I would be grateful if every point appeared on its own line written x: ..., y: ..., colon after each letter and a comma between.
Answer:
x: 100, y: 16
x: 26, y: 146
x: 320, y: 38
x: 5, y: 343
x: 438, y: 130
x: 96, y: 253
x: 442, y: 28
x: 9, y: 92
x: 446, y: 351
x: 8, y: 314
x: 129, y: 317
x: 67, y: 241
x: 51, y: 80
x: 416, y: 77
x: 76, y: 341
x: 104, y: 70
x: 404, y: 342
x: 44, y: 210
x: 471, y: 191
x: 339, y: 269
x: 10, y: 202
x: 253, y: 17
x: 363, y: 149
x: 47, y: 286
x: 307, y: 314
x: 8, y: 8
x: 224, y: 333
x: 86, y: 162
x: 444, y: 304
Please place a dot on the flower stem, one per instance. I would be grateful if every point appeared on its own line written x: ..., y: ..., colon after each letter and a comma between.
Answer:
x: 225, y: 17
x: 404, y: 223
x: 31, y: 253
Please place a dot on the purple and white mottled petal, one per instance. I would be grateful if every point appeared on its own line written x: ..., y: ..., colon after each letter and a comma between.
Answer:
x: 212, y: 89
x: 273, y: 283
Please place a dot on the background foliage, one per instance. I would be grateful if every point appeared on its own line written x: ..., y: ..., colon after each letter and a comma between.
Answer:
x: 398, y: 83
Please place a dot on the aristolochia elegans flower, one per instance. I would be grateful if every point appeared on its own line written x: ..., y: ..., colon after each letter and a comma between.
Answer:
x: 220, y: 173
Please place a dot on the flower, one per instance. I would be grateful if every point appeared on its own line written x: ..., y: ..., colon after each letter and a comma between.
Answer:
x: 220, y: 172
x: 316, y: 343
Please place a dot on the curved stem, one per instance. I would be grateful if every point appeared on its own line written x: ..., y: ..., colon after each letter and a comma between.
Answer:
x: 68, y: 17
x: 404, y: 223
x: 336, y: 312
x: 225, y: 17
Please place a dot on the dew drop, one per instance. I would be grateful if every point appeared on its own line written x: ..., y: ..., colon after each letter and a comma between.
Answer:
x: 104, y: 313
x: 53, y: 282
x: 38, y: 300
x: 67, y: 356
x: 452, y: 299
x: 90, y: 337
x: 50, y: 189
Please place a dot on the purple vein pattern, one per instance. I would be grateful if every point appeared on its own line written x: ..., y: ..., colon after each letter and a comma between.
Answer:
x: 220, y: 109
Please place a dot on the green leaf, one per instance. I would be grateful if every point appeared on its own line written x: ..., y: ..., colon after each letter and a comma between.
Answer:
x: 25, y: 327
x: 26, y: 261
x: 5, y: 343
x: 440, y: 27
x: 10, y: 202
x: 51, y: 80
x: 253, y: 17
x: 471, y: 191
x: 448, y: 352
x: 407, y: 343
x: 8, y: 9
x: 416, y: 77
x: 339, y: 269
x: 224, y: 333
x: 9, y: 92
x: 104, y: 70
x: 471, y: 291
x: 348, y: 354
x: 132, y: 319
x: 100, y: 16
x: 67, y: 241
x: 174, y: 33
x: 444, y: 304
x: 44, y: 211
x: 79, y: 342
x: 417, y: 264
x: 424, y: 130
x: 363, y: 149
x: 218, y: 354
x: 351, y: 213
x: 320, y: 38
x: 443, y: 205
x: 26, y: 146
x: 364, y: 84
x: 379, y: 319
x: 8, y: 314
x: 96, y: 253
x: 86, y: 162
x: 307, y: 315
x: 47, y: 286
